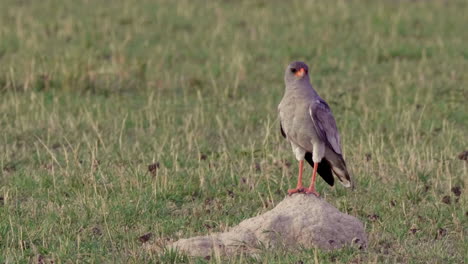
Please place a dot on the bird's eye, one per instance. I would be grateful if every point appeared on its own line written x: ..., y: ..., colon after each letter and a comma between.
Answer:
x: 293, y: 70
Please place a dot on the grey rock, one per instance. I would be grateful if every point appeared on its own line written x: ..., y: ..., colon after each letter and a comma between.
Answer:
x: 298, y: 221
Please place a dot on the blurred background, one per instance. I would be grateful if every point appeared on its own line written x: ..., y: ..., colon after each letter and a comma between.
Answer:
x: 132, y: 123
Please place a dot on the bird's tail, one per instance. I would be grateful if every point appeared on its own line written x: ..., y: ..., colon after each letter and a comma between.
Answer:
x: 341, y: 172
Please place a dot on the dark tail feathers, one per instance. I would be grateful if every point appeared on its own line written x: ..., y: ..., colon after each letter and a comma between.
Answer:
x: 324, y: 169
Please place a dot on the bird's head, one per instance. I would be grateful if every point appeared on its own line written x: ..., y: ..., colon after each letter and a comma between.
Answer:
x: 296, y: 71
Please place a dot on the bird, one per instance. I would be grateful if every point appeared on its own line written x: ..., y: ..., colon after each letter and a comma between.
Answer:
x: 307, y: 122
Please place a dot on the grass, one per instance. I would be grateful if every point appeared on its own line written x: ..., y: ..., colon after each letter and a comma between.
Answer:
x: 94, y: 92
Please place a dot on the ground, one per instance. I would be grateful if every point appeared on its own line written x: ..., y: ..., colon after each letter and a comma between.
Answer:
x: 124, y: 124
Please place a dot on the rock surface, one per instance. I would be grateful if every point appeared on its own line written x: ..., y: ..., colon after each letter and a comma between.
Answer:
x: 299, y: 220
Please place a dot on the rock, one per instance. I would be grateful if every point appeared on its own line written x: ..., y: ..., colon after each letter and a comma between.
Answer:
x: 298, y: 221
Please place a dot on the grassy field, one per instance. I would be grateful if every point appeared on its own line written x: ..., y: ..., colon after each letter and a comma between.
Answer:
x: 125, y: 124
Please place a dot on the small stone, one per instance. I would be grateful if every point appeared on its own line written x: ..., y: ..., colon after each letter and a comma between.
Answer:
x: 414, y: 229
x: 456, y: 190
x: 426, y: 188
x: 40, y: 259
x: 153, y: 168
x: 203, y: 156
x: 145, y: 238
x: 441, y: 232
x: 358, y: 243
x: 373, y: 217
x: 96, y: 231
x: 446, y: 199
x: 463, y: 155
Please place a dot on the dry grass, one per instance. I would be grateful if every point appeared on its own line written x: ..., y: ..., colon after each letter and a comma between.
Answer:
x: 92, y: 94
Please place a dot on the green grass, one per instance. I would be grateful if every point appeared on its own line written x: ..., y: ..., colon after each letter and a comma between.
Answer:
x: 93, y: 92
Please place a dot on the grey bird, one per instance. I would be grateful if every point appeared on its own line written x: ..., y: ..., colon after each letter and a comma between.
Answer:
x: 307, y: 122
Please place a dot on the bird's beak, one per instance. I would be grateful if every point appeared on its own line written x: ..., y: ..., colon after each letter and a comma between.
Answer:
x: 300, y: 72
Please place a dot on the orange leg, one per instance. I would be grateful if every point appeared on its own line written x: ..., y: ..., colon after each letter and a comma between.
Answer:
x: 311, y: 189
x: 299, y: 187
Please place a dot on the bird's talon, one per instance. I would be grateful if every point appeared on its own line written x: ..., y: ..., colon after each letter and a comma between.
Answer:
x: 312, y: 191
x: 296, y: 190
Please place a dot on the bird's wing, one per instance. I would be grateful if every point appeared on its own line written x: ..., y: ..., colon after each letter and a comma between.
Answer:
x: 282, y: 130
x: 325, y: 124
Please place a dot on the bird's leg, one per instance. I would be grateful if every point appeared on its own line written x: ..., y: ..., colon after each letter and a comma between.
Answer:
x: 311, y: 189
x: 299, y: 187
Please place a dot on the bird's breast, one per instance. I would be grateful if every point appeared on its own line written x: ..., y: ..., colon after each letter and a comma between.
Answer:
x: 298, y: 125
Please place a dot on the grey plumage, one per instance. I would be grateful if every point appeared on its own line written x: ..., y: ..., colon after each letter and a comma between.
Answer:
x: 308, y: 124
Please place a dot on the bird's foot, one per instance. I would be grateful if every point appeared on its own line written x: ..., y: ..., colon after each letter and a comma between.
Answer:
x: 296, y: 190
x: 311, y: 191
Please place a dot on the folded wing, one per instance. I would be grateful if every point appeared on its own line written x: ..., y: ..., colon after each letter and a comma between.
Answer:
x: 325, y: 124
